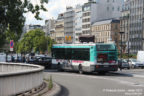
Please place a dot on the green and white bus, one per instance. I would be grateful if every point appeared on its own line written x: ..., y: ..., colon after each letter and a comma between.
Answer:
x: 85, y: 57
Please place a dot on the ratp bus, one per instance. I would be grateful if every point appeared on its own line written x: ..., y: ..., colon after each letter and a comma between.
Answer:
x: 85, y: 57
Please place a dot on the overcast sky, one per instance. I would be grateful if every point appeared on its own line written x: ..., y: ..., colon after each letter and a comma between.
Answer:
x: 54, y: 7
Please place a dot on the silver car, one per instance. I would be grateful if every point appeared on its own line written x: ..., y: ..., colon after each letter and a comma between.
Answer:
x: 123, y: 64
x: 135, y: 63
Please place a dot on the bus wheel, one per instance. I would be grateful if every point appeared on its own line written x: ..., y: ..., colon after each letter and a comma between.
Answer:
x: 80, y: 69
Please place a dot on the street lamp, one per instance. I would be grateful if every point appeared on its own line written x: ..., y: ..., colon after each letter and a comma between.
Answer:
x: 128, y: 45
x: 121, y: 33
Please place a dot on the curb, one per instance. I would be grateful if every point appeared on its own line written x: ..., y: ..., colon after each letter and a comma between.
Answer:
x: 55, y: 91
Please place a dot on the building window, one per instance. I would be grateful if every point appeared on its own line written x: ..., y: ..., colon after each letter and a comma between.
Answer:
x: 116, y: 26
x: 87, y: 8
x: 107, y: 8
x: 118, y: 8
x: 113, y: 8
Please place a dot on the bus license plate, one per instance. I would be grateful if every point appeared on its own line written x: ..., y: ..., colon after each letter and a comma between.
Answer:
x: 106, y: 66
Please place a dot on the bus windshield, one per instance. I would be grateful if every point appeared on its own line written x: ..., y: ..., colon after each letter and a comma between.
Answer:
x: 108, y: 47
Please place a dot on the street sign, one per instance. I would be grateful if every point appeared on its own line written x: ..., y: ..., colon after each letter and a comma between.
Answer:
x: 11, y: 45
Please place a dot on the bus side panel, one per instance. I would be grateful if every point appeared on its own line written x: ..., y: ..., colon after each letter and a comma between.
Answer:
x: 87, y: 66
x: 93, y: 54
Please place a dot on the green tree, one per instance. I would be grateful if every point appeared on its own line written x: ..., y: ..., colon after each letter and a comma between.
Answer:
x: 35, y: 41
x: 50, y: 43
x: 12, y: 17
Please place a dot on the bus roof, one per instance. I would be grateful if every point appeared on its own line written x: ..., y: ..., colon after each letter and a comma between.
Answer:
x: 93, y: 44
x: 85, y: 45
x: 73, y: 45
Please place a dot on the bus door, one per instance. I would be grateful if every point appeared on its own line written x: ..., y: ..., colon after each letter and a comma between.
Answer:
x: 67, y: 63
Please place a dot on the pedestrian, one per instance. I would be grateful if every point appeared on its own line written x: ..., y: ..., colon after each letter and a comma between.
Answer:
x: 23, y: 58
x: 121, y: 66
x: 12, y: 58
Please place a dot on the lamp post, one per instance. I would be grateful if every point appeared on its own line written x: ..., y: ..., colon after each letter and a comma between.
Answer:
x: 121, y: 33
x: 128, y: 46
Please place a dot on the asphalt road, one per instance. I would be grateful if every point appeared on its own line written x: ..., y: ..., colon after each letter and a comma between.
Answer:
x: 125, y: 83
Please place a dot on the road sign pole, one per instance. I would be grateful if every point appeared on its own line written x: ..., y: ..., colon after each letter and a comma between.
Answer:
x: 11, y: 45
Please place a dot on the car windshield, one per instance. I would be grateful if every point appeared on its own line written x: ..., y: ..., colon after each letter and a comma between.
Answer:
x: 134, y: 60
x: 124, y: 61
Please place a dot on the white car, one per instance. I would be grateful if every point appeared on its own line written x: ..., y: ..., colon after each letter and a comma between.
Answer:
x: 9, y: 58
x: 2, y: 57
x: 135, y: 63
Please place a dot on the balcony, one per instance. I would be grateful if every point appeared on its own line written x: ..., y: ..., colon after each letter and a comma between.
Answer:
x: 59, y: 26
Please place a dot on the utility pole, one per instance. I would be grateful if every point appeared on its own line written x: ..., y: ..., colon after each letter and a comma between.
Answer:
x: 121, y: 33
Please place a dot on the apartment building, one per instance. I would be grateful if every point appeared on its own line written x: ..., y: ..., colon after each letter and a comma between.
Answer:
x: 106, y: 31
x: 78, y: 23
x: 136, y: 35
x: 53, y: 34
x: 88, y: 13
x: 69, y: 25
x: 59, y: 29
x: 49, y: 26
x: 27, y: 28
x: 125, y: 25
x: 97, y: 10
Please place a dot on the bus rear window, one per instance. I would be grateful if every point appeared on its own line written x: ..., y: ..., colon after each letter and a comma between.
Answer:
x: 109, y: 47
x: 102, y: 58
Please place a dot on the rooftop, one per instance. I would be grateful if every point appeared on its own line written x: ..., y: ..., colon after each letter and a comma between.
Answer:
x: 106, y: 22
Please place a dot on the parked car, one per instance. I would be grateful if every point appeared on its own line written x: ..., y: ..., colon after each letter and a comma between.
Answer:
x: 2, y: 57
x: 123, y: 64
x: 42, y: 60
x: 135, y: 63
x: 9, y: 58
x: 17, y: 59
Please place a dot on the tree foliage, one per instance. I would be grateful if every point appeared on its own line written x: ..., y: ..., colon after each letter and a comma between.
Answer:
x: 12, y: 16
x: 34, y: 41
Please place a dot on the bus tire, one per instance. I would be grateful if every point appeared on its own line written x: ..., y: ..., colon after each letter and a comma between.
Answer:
x: 80, y: 69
